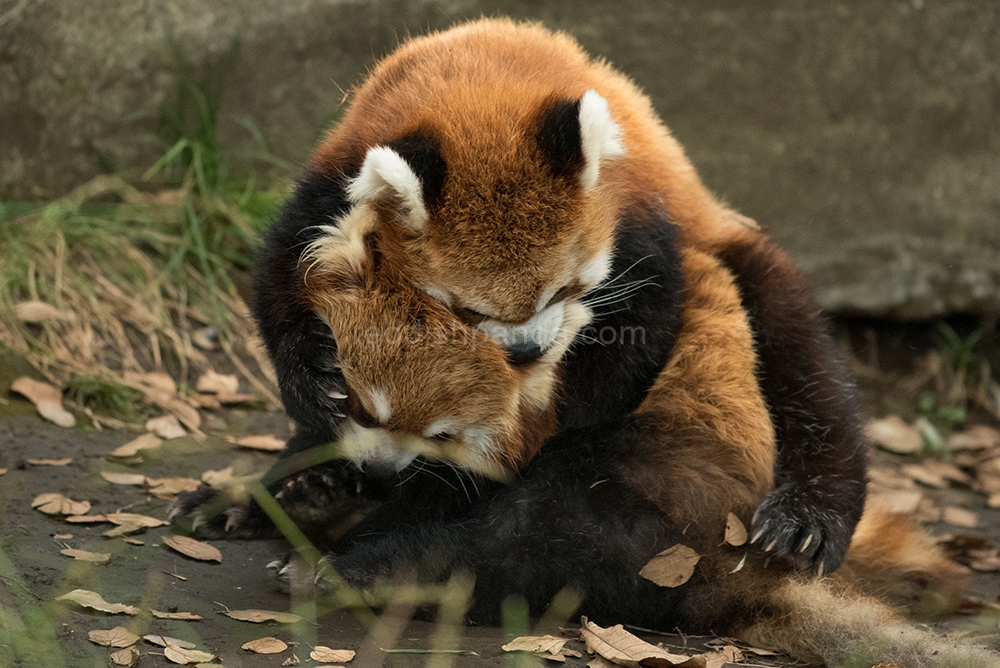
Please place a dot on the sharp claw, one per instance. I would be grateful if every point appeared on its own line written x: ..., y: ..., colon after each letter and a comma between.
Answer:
x: 819, y: 571
x: 757, y: 536
x: 334, y: 394
x: 806, y: 542
x: 756, y: 516
x: 772, y: 545
x: 274, y: 565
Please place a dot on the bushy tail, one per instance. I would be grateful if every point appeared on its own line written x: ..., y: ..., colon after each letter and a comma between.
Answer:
x: 846, y: 629
x: 846, y: 619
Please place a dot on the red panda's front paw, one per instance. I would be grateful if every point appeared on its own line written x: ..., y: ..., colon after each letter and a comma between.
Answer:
x: 795, y: 521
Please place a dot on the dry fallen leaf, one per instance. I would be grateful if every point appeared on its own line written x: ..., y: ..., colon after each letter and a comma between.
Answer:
x: 325, y: 654
x: 50, y: 462
x: 258, y: 616
x: 47, y: 399
x: 163, y: 641
x: 185, y: 616
x: 979, y: 437
x: 960, y: 517
x: 57, y: 504
x: 621, y: 647
x: 83, y: 555
x: 193, y: 548
x: 186, y: 656
x: 123, y: 530
x: 86, y: 519
x: 90, y: 599
x: 216, y: 383
x: 132, y: 518
x: 672, y: 567
x: 895, y: 435
x: 166, y: 427
x: 144, y: 442
x: 736, y: 532
x: 720, y: 657
x: 3, y: 471
x: 232, y: 399
x: 62, y: 536
x: 266, y: 442
x: 125, y: 657
x: 133, y: 541
x: 217, y: 478
x: 897, y: 501
x: 268, y: 645
x: 534, y: 644
x: 925, y: 476
x: 116, y: 637
x: 130, y: 479
x: 167, y: 488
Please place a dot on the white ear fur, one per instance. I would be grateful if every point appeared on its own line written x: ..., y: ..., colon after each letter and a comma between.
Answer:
x: 343, y: 243
x: 384, y: 173
x: 600, y: 136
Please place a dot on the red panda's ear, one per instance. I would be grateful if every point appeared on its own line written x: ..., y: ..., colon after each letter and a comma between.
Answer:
x: 575, y: 136
x: 408, y: 172
x: 342, y: 255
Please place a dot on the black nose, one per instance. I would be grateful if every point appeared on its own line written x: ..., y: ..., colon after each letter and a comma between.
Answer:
x: 523, y: 353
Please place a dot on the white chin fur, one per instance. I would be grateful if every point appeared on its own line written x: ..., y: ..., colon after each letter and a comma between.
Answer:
x: 600, y: 135
x: 384, y: 173
x: 372, y: 446
x: 542, y: 329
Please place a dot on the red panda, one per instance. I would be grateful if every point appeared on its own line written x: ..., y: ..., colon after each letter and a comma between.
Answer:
x: 518, y: 176
x: 495, y: 179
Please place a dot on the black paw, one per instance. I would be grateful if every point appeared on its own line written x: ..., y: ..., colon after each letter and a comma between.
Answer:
x: 213, y: 514
x: 315, y: 398
x: 793, y: 521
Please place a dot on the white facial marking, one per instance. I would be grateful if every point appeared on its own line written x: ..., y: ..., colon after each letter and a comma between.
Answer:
x: 362, y: 445
x: 442, y: 427
x: 541, y: 329
x: 438, y: 294
x: 540, y: 385
x: 385, y: 173
x: 479, y: 442
x: 596, y: 270
x: 600, y: 137
x: 383, y: 409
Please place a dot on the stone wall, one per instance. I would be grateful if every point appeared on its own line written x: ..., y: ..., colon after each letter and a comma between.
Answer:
x: 864, y: 135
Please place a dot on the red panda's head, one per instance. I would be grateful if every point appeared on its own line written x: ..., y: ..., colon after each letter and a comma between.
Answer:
x: 490, y: 161
x: 418, y: 379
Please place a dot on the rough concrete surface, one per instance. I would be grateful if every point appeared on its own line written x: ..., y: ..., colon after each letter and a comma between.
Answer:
x: 864, y: 136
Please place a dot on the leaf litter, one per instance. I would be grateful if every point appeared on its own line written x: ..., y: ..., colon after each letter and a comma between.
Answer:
x: 57, y: 504
x: 93, y: 600
x: 195, y: 549
x: 672, y: 567
x: 47, y: 399
x: 620, y: 647
x: 268, y: 645
x: 327, y: 655
x: 116, y: 637
x: 259, y: 616
x: 83, y: 555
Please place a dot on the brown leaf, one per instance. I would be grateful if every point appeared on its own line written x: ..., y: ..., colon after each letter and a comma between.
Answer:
x: 134, y: 541
x: 50, y: 462
x: 258, y: 616
x: 3, y: 471
x: 889, y: 478
x: 927, y: 511
x: 144, y: 442
x: 621, y: 647
x: 38, y: 311
x: 672, y: 567
x: 217, y: 478
x: 185, y: 616
x: 218, y: 383
x: 123, y: 530
x: 125, y: 657
x: 132, y: 518
x: 895, y: 435
x: 897, y: 501
x: 164, y: 641
x: 166, y: 427
x: 90, y: 599
x: 736, y: 532
x: 167, y: 488
x: 268, y: 645
x: 47, y: 399
x: 534, y: 644
x: 925, y: 476
x: 993, y: 501
x: 83, y: 555
x: 720, y: 657
x: 979, y: 437
x: 947, y: 471
x: 86, y: 519
x: 129, y: 479
x: 266, y: 442
x: 327, y: 655
x: 57, y: 504
x: 960, y: 517
x: 62, y: 536
x: 193, y: 548
x: 116, y: 637
x: 186, y: 656
x: 233, y: 399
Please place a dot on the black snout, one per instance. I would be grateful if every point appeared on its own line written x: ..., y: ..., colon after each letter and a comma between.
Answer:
x: 524, y: 353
